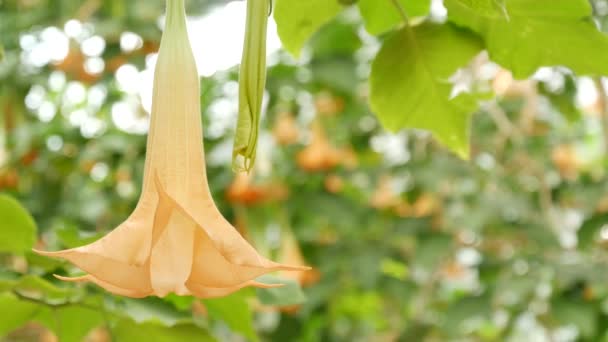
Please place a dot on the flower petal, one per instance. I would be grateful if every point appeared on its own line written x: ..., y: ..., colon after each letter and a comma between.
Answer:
x: 133, y: 293
x: 224, y: 237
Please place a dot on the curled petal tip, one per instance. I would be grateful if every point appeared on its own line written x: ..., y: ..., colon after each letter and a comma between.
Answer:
x: 304, y: 268
x: 72, y: 279
x: 264, y: 285
x: 292, y: 267
x: 47, y: 253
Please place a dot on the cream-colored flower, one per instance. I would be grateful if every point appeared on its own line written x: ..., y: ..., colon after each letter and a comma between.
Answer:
x: 176, y: 240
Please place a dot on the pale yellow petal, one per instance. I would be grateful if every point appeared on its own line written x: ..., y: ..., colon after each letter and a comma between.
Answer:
x: 133, y: 293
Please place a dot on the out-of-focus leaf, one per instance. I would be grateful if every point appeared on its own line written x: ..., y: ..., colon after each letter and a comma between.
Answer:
x: 8, y: 280
x: 128, y: 331
x: 289, y: 294
x: 523, y: 37
x: 47, y: 264
x: 339, y: 38
x: 41, y: 289
x: 335, y: 74
x: 409, y: 86
x: 153, y: 309
x: 71, y: 237
x: 71, y: 323
x: 14, y: 312
x: 382, y: 16
x: 432, y: 249
x: 17, y: 227
x: 298, y: 20
x: 578, y: 313
x: 235, y: 312
x: 588, y: 233
x: 182, y: 303
x: 565, y: 100
x: 466, y: 315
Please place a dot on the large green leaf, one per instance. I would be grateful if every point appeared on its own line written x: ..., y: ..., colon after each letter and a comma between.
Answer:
x: 409, y: 85
x: 522, y: 35
x: 381, y: 16
x: 17, y: 227
x: 235, y: 312
x: 14, y: 312
x: 128, y: 331
x: 298, y: 20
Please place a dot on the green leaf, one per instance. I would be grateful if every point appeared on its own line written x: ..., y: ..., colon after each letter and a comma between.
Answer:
x: 39, y: 262
x: 14, y: 312
x: 466, y: 314
x: 588, y: 234
x: 382, y: 16
x: 71, y: 236
x: 8, y: 280
x: 578, y: 313
x: 289, y: 294
x: 235, y: 312
x: 409, y: 86
x: 181, y: 303
x: 340, y: 38
x: 432, y: 249
x: 523, y: 36
x: 35, y: 287
x: 71, y: 323
x: 565, y: 100
x: 298, y: 20
x: 154, y: 309
x: 128, y: 331
x: 17, y: 227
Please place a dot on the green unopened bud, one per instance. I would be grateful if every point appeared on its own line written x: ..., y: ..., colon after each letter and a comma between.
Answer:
x: 252, y: 79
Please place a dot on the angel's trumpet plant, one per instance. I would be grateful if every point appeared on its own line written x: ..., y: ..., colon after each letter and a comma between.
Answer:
x: 176, y: 240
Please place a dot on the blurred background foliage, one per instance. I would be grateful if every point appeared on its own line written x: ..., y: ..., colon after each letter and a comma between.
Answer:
x: 408, y: 241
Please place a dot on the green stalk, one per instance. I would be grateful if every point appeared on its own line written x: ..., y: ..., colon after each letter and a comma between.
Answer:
x: 252, y: 79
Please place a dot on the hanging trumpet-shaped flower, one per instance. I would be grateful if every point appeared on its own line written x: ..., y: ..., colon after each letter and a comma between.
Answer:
x: 176, y: 240
x: 252, y: 79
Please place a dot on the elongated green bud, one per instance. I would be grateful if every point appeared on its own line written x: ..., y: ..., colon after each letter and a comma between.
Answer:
x: 252, y: 79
